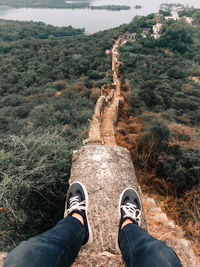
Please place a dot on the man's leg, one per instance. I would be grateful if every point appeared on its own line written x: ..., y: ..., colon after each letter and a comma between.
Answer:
x: 137, y: 246
x: 60, y: 245
x: 57, y: 247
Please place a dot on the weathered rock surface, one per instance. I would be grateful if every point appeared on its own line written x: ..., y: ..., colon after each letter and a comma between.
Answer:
x: 160, y: 227
x: 105, y: 171
x: 3, y: 255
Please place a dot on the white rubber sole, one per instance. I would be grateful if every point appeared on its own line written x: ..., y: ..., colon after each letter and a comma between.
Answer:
x: 120, y: 199
x: 87, y: 201
x: 119, y: 205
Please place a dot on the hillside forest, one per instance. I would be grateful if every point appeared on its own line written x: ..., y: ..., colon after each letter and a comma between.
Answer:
x: 50, y: 80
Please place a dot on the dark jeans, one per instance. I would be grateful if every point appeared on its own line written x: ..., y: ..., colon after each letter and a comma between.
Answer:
x: 60, y: 246
x: 142, y: 250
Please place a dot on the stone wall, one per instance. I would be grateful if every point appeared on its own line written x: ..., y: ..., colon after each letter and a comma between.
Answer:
x: 105, y: 171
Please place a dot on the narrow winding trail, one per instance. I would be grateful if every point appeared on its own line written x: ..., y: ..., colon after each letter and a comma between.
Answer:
x: 110, y: 111
x: 105, y: 169
x: 103, y: 125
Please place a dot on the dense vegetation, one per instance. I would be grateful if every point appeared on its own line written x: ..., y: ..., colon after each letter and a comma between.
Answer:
x: 161, y: 128
x: 50, y: 78
x: 162, y: 75
x: 112, y: 7
x: 138, y: 7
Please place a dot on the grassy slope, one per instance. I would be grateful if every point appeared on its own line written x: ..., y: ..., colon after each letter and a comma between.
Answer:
x: 49, y: 82
x: 161, y: 125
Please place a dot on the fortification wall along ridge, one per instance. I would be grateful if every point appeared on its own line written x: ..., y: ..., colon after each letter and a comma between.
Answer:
x: 106, y: 170
x: 102, y: 128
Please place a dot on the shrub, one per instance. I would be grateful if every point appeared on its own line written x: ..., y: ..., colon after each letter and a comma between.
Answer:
x: 33, y: 182
x: 95, y: 93
x: 152, y: 143
x: 182, y: 167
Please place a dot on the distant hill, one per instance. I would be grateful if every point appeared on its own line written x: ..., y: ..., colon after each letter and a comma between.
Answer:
x: 45, y: 3
x: 60, y: 4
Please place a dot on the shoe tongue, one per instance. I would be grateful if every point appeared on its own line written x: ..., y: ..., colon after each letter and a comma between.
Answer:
x: 126, y: 200
x: 137, y: 204
x: 79, y: 196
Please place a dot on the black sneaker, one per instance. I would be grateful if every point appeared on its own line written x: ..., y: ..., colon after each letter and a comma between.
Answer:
x: 77, y: 201
x: 129, y: 206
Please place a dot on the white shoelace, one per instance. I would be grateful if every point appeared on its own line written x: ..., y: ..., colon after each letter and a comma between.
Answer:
x: 74, y: 204
x: 131, y: 211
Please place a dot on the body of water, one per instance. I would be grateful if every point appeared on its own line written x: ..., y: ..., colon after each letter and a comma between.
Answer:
x: 91, y: 20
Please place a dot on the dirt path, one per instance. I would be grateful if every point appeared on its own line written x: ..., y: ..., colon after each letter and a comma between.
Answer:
x: 104, y: 120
